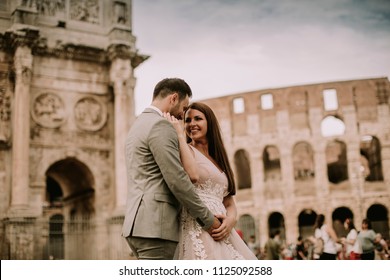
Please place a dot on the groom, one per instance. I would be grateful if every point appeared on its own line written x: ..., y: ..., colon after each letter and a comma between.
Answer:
x: 157, y: 183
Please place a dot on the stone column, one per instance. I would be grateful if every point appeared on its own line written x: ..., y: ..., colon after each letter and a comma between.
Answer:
x: 23, y: 60
x: 383, y: 119
x: 123, y: 61
x: 121, y: 77
x: 287, y: 169
x: 20, y: 223
x: 321, y: 177
x: 386, y: 165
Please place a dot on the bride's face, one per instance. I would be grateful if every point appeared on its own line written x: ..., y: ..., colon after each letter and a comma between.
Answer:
x: 195, y: 124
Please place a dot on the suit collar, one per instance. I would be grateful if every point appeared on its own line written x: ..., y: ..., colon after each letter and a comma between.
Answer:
x: 153, y: 109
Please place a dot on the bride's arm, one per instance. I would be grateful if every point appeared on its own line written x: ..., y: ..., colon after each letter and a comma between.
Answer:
x: 231, y: 211
x: 186, y: 153
x: 228, y: 221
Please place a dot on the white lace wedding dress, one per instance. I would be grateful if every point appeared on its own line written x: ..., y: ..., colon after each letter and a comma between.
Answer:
x: 197, y: 244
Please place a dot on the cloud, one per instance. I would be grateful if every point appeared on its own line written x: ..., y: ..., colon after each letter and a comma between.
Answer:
x: 223, y: 47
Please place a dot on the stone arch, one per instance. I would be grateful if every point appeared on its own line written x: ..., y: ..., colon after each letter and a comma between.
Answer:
x: 70, y: 184
x: 243, y: 169
x: 370, y: 151
x: 70, y: 193
x: 306, y: 221
x: 48, y: 158
x: 246, y: 223
x: 303, y: 161
x: 337, y: 163
x: 276, y: 223
x: 378, y: 214
x: 271, y: 163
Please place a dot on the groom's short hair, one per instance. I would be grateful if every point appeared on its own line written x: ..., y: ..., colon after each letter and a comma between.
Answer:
x: 169, y: 86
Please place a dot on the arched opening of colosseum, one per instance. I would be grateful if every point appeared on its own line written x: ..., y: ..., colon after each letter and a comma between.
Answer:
x: 306, y: 220
x: 303, y: 161
x: 243, y: 169
x: 332, y: 126
x: 378, y: 214
x: 271, y: 162
x: 246, y: 223
x: 69, y: 208
x: 276, y: 223
x: 339, y: 216
x: 370, y: 151
x: 336, y: 159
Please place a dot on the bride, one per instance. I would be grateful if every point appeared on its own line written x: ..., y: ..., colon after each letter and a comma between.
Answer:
x: 205, y: 160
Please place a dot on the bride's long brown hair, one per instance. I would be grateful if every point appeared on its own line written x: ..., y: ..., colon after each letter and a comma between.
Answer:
x: 215, y: 143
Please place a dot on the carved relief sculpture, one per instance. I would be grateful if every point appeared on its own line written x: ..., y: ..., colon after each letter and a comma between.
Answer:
x: 51, y: 7
x: 5, y: 115
x: 120, y: 14
x: 28, y: 3
x: 85, y: 10
x: 48, y: 110
x: 23, y: 61
x: 90, y: 114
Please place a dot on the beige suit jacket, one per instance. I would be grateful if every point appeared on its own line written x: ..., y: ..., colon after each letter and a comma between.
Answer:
x: 157, y: 184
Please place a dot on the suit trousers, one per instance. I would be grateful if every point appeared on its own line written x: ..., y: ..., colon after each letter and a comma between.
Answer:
x: 152, y: 248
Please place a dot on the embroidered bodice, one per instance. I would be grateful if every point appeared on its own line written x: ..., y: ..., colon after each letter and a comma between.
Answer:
x: 196, y: 243
x: 212, y: 185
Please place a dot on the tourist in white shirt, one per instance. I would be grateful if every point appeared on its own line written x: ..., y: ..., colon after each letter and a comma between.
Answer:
x: 353, y: 249
x: 329, y: 236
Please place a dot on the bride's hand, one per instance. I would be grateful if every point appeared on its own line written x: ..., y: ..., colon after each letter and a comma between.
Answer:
x: 177, y: 124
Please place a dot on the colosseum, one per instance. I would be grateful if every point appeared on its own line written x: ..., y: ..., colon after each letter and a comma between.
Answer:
x: 303, y: 150
x: 66, y: 104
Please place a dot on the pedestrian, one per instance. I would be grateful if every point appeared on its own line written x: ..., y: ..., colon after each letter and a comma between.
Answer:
x: 329, y: 237
x: 381, y: 247
x: 301, y: 251
x: 351, y: 243
x: 252, y: 244
x: 272, y: 248
x: 366, y: 238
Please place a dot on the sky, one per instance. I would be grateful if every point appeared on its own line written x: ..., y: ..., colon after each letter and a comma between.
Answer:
x: 223, y: 47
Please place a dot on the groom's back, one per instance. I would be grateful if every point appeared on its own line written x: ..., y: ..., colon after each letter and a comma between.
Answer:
x: 146, y: 185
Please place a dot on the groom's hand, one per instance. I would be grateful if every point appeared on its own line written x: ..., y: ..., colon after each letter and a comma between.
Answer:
x: 225, y: 228
x: 216, y: 224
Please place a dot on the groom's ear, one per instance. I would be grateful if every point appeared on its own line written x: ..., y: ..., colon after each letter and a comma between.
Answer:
x: 174, y: 97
